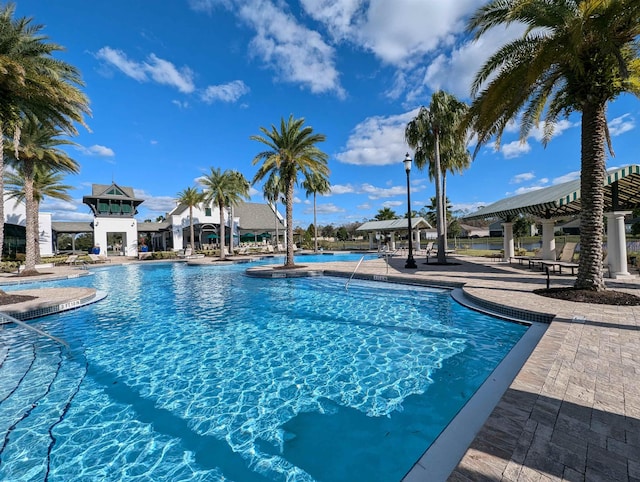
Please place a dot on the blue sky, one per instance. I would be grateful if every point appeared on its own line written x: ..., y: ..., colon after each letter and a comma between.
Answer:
x: 178, y: 86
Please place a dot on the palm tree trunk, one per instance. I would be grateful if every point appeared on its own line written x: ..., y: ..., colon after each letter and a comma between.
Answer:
x: 593, y: 172
x: 1, y: 189
x: 31, y: 229
x: 445, y: 226
x: 275, y: 213
x: 439, y: 223
x: 36, y: 216
x: 191, y: 233
x: 315, y: 226
x: 222, y: 231
x: 289, y: 261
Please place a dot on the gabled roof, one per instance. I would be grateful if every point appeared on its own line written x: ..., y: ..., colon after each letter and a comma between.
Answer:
x: 256, y: 217
x: 395, y: 225
x: 71, y: 227
x: 622, y: 192
x: 113, y: 190
x: 153, y: 227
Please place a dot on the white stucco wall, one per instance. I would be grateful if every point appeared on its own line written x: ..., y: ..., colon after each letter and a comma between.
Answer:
x: 128, y: 226
x: 44, y: 234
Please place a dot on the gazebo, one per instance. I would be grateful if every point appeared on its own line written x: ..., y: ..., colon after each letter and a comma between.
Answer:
x: 621, y: 193
x: 392, y: 226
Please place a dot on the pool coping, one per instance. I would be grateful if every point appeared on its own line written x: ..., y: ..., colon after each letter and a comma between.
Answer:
x: 51, y: 301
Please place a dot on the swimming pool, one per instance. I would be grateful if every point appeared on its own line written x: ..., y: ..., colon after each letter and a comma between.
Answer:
x: 202, y: 373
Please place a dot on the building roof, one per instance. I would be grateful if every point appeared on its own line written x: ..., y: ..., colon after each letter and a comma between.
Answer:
x: 102, y: 191
x: 256, y: 217
x: 395, y: 225
x: 622, y: 192
x: 153, y: 227
x: 69, y: 227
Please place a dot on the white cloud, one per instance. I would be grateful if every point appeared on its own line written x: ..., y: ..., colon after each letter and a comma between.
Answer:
x: 525, y: 176
x: 392, y: 204
x: 364, y: 207
x: 154, y: 68
x: 229, y: 92
x: 296, y: 53
x: 340, y: 189
x: 377, y: 141
x: 514, y: 149
x: 523, y: 190
x: 180, y: 104
x: 562, y: 125
x: 621, y: 124
x: 155, y: 204
x: 96, y: 150
x: 566, y: 178
x: 382, y: 192
x: 328, y: 208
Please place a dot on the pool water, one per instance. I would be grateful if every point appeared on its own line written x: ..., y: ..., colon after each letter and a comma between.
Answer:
x: 201, y: 373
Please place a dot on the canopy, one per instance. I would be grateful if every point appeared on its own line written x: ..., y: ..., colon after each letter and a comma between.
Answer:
x: 621, y: 193
x: 212, y: 236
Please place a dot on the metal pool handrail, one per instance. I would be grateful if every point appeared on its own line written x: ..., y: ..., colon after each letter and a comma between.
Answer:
x: 346, y: 285
x: 11, y: 319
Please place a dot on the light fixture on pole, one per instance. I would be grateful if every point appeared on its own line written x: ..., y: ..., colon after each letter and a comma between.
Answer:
x: 411, y: 263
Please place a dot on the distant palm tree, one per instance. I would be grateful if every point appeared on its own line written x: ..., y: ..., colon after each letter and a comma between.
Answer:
x: 33, y: 83
x: 271, y: 190
x: 191, y: 198
x: 46, y: 183
x: 385, y: 214
x: 435, y: 134
x: 38, y: 148
x: 573, y: 56
x: 224, y: 189
x: 316, y: 184
x: 430, y: 211
x: 291, y: 150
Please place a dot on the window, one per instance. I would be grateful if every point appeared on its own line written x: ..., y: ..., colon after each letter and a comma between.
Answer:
x: 207, y: 211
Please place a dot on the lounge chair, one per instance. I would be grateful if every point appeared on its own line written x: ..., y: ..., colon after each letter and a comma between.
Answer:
x: 96, y: 258
x: 565, y: 260
x: 185, y: 253
x: 71, y: 259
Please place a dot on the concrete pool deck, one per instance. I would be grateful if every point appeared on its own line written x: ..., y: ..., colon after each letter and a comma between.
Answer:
x: 573, y: 410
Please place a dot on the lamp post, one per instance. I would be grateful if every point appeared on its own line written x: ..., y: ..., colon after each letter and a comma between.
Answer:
x: 411, y: 263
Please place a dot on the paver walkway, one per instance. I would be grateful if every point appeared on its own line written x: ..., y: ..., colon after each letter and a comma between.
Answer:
x: 573, y: 411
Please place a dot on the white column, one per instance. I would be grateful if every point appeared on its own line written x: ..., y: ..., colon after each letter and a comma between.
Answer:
x: 392, y: 241
x: 509, y: 251
x: 548, y: 239
x: 372, y: 237
x: 617, y: 244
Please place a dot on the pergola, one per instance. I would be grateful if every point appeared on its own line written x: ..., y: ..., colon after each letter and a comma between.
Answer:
x: 621, y: 193
x: 392, y: 226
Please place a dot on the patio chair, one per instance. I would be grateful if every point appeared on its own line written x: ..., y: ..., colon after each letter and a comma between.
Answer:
x: 71, y: 259
x: 95, y: 258
x: 565, y: 260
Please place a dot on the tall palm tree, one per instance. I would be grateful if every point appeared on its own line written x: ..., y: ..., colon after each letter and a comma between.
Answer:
x: 575, y: 55
x: 386, y: 214
x: 290, y: 151
x: 271, y: 190
x: 435, y: 134
x: 38, y: 149
x: 191, y: 198
x: 33, y: 83
x: 224, y: 189
x: 316, y: 184
x: 46, y: 182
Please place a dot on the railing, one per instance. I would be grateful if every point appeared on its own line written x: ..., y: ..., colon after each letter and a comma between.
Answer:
x: 11, y: 319
x: 346, y: 285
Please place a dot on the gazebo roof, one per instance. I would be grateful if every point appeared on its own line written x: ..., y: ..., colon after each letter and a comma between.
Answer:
x: 395, y: 225
x: 621, y: 192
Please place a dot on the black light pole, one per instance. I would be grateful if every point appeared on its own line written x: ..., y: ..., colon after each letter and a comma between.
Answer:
x: 411, y: 263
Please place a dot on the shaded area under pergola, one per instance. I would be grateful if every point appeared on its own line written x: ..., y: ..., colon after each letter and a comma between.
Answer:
x: 393, y: 225
x: 621, y: 193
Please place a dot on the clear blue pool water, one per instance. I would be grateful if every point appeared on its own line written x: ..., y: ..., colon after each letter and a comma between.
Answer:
x: 205, y: 374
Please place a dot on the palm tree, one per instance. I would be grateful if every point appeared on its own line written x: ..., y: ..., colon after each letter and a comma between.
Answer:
x: 290, y: 151
x: 225, y: 189
x: 38, y: 149
x: 33, y: 83
x: 46, y: 182
x: 385, y: 214
x: 430, y: 211
x: 191, y: 198
x: 575, y: 55
x: 271, y: 190
x: 316, y: 184
x: 435, y: 135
